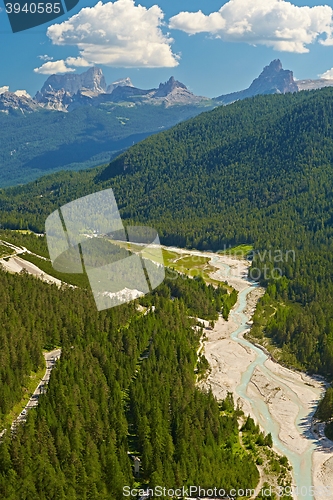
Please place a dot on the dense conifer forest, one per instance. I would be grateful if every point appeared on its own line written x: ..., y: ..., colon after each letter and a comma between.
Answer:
x: 38, y: 143
x: 125, y: 383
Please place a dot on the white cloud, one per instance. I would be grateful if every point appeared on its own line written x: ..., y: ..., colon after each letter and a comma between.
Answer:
x: 78, y: 62
x: 117, y: 34
x: 328, y: 75
x: 274, y: 23
x: 45, y: 57
x: 50, y: 68
x: 62, y: 66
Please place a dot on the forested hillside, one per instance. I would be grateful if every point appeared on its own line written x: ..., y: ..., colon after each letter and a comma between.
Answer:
x: 258, y: 172
x: 35, y: 144
x: 105, y: 396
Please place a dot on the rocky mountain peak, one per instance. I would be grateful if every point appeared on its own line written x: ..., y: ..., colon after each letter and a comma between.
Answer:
x: 274, y: 66
x: 166, y: 88
x: 273, y: 80
x: 4, y: 89
x: 92, y: 79
x: 11, y: 102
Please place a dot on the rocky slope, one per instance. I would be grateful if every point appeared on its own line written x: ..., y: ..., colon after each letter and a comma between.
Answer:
x: 70, y: 91
x: 314, y: 84
x: 273, y: 80
x: 92, y: 79
x: 11, y: 102
x: 170, y: 93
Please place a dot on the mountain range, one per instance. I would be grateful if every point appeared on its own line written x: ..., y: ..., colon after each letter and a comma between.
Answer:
x: 68, y: 91
x: 78, y: 121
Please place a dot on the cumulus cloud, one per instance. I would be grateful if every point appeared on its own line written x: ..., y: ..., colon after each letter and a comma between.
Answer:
x: 275, y: 23
x: 328, y: 75
x: 53, y: 67
x: 118, y: 34
x: 79, y: 62
x: 62, y: 65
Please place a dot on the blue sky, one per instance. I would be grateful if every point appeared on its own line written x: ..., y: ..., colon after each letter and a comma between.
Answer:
x: 218, y: 50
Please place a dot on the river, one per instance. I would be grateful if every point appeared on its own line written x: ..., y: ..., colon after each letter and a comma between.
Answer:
x: 298, y: 392
x: 282, y: 401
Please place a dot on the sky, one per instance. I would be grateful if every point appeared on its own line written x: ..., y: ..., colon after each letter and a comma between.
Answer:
x: 212, y: 46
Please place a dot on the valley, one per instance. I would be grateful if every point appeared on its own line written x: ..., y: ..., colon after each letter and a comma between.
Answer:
x: 280, y: 400
x: 249, y: 180
x: 78, y: 121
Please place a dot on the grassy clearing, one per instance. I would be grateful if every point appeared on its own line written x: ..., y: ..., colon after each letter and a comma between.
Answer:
x: 169, y: 257
x: 193, y: 265
x: 185, y: 263
x: 239, y: 251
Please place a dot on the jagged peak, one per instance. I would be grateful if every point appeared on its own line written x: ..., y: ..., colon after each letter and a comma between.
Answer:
x: 165, y: 88
x: 92, y: 79
x: 273, y: 66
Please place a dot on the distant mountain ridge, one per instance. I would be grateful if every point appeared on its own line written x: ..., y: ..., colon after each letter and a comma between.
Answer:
x: 80, y: 121
x: 69, y: 91
x: 273, y: 80
x: 92, y: 79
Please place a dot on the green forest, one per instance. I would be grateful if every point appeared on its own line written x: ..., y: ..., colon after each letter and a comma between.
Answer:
x: 49, y: 141
x: 125, y: 384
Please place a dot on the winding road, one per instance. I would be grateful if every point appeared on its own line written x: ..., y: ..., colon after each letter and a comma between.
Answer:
x: 50, y: 359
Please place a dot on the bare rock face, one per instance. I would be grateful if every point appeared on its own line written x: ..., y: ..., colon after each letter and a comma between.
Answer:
x: 166, y: 88
x: 57, y: 100
x: 124, y: 82
x: 11, y: 103
x: 314, y: 84
x: 70, y: 91
x: 92, y: 79
x: 273, y: 80
x: 169, y: 93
